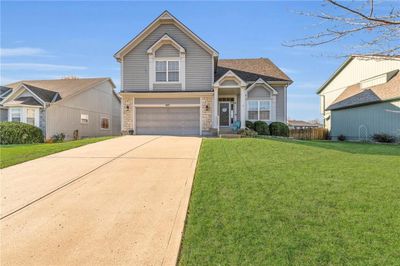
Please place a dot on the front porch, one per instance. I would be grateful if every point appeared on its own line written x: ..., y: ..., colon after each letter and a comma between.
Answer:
x: 235, y: 101
x: 229, y: 103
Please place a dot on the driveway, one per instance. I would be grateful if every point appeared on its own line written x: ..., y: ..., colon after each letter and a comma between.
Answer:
x: 120, y: 201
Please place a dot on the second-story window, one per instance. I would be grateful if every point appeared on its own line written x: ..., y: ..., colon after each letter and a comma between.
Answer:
x: 167, y: 71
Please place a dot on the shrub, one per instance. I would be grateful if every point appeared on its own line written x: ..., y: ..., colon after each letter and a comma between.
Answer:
x: 247, y: 132
x: 19, y: 133
x: 261, y: 128
x: 250, y: 124
x: 382, y: 137
x: 279, y: 129
x: 58, y: 137
x: 342, y: 137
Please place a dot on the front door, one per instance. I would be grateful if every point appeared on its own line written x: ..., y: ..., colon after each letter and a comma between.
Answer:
x: 224, y: 114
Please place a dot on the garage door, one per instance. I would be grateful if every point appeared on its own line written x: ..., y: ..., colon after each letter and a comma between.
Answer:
x: 168, y: 120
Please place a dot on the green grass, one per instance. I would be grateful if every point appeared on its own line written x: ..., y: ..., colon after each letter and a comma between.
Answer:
x: 274, y: 202
x: 15, y: 154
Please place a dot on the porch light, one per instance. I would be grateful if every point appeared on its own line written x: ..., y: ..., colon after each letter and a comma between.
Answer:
x: 207, y: 107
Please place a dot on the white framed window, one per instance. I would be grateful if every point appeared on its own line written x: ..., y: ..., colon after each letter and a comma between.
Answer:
x: 104, y: 123
x: 84, y: 118
x: 15, y: 114
x: 259, y: 110
x: 167, y: 71
x: 30, y: 116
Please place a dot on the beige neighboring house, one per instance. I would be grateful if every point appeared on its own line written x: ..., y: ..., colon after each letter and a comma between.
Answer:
x: 174, y: 83
x: 89, y: 105
x: 362, y: 98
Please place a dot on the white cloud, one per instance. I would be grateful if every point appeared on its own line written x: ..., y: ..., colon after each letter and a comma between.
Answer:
x: 21, y: 51
x: 40, y: 67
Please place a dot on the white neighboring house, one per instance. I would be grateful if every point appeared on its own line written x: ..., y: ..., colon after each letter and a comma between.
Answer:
x: 88, y: 105
x: 362, y: 98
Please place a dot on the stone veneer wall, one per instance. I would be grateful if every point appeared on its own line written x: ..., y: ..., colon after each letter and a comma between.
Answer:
x: 127, y: 115
x: 206, y: 115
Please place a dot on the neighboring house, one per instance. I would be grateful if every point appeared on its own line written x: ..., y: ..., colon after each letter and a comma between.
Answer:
x: 299, y: 124
x: 174, y: 83
x: 362, y: 98
x: 89, y: 105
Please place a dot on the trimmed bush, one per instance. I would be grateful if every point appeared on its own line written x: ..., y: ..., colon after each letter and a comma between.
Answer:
x: 342, y: 137
x: 385, y: 138
x: 279, y: 129
x: 249, y: 124
x: 261, y: 128
x: 19, y: 133
x: 247, y: 132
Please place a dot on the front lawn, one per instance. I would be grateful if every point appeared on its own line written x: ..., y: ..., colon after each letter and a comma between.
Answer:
x: 15, y: 154
x: 272, y: 202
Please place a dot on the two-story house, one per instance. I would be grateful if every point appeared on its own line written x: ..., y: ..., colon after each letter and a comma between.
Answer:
x: 362, y: 98
x: 173, y: 83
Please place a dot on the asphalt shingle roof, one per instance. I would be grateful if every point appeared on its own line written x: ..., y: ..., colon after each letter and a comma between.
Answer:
x: 354, y: 95
x: 251, y: 69
x: 64, y: 87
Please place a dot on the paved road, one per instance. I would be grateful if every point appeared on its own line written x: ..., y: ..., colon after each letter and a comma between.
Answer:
x: 116, y: 202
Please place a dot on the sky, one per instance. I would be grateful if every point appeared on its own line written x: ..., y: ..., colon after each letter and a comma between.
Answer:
x: 47, y: 40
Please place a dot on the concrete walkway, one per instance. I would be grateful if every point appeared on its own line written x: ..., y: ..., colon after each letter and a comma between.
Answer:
x: 116, y: 202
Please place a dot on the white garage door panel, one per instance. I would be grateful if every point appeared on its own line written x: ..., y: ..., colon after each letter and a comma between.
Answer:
x: 168, y: 120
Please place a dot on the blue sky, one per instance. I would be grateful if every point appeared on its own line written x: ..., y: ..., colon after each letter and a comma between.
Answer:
x: 45, y: 40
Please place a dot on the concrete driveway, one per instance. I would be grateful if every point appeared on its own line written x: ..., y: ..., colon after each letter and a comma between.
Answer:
x: 116, y: 202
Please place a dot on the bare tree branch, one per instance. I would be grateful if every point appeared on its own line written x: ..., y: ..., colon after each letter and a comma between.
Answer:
x: 379, y: 34
x: 362, y: 15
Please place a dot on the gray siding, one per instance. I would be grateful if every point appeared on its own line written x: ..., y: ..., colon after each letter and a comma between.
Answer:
x: 4, y: 114
x: 198, y: 62
x: 163, y: 87
x: 167, y: 50
x: 281, y: 104
x: 64, y: 117
x: 259, y: 92
x: 362, y: 122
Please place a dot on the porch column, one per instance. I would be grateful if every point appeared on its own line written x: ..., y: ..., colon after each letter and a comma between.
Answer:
x: 242, y: 107
x: 215, y: 108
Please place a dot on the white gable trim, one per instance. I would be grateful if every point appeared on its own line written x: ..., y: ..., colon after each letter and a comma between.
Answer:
x: 18, y: 92
x: 260, y: 81
x: 164, y: 18
x: 229, y: 76
x: 166, y: 39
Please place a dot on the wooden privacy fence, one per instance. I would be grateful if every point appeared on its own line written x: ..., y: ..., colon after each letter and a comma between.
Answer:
x: 309, y: 133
